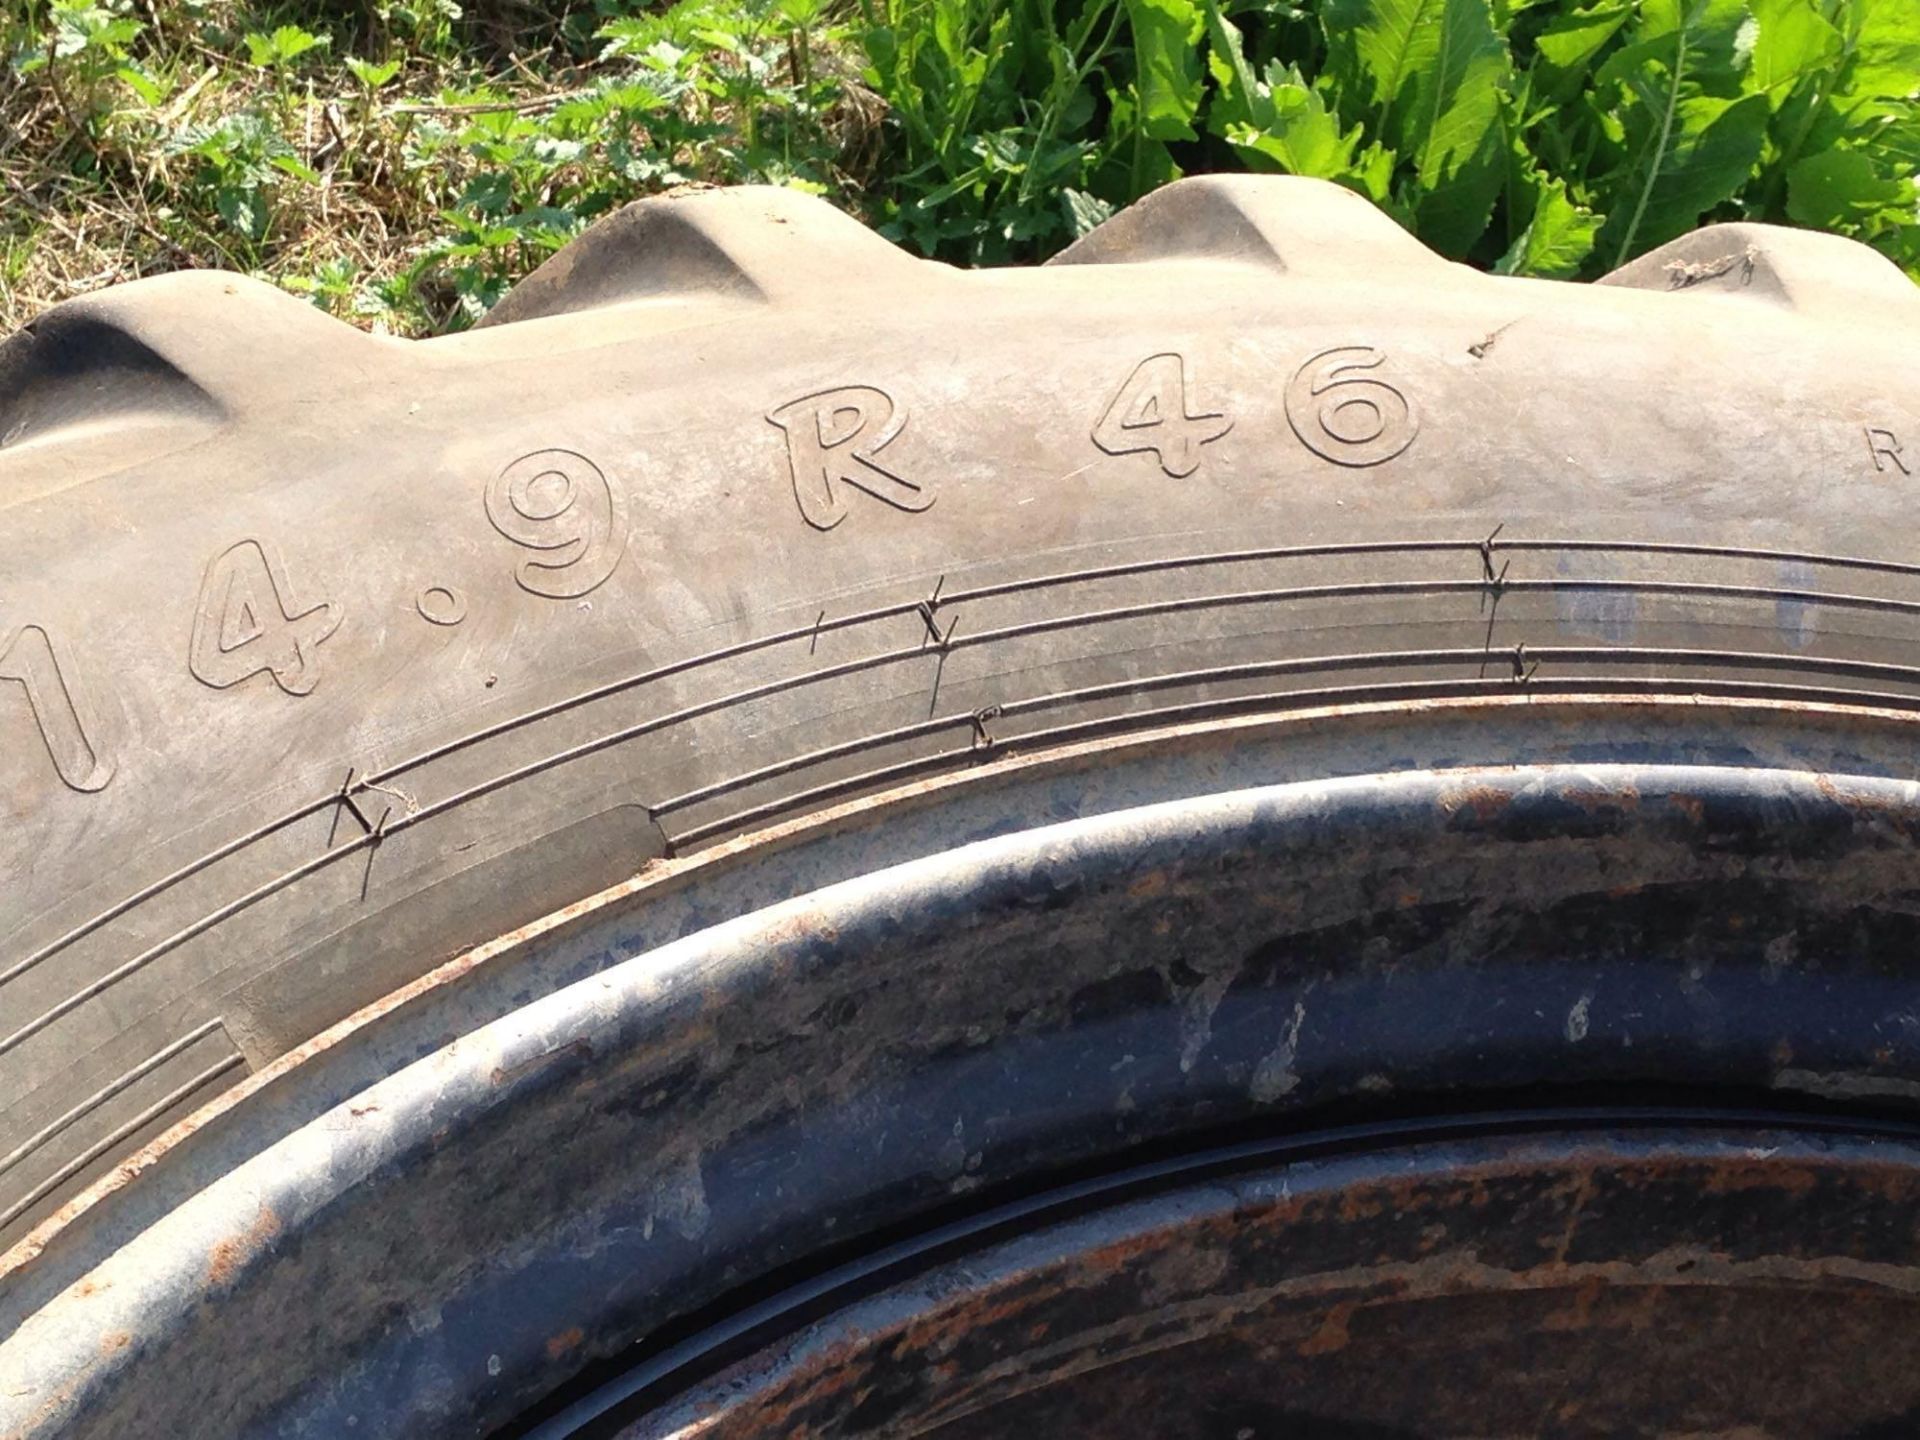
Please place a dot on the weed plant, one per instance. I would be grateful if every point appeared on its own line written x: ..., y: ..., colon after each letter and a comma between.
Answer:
x: 402, y: 162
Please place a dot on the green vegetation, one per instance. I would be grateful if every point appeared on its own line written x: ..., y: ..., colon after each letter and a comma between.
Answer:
x: 403, y: 162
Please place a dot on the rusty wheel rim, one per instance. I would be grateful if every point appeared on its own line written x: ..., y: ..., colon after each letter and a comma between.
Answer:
x: 1575, y: 1272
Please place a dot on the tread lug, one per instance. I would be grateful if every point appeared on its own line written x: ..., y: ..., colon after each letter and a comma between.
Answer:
x: 1285, y: 222
x: 1801, y: 270
x: 757, y: 243
x: 193, y: 346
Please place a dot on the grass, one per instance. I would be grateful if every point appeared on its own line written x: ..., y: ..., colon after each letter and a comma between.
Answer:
x: 402, y: 162
x: 401, y: 165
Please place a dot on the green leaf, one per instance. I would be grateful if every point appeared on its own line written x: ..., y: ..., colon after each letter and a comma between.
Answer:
x: 1685, y: 144
x: 371, y: 74
x: 1372, y: 176
x: 1236, y: 90
x: 150, y: 90
x: 1844, y: 190
x: 1570, y: 42
x: 1892, y: 139
x: 1558, y: 238
x: 546, y: 221
x: 290, y: 166
x: 1457, y: 158
x: 115, y: 36
x: 1792, y: 42
x: 1696, y: 43
x: 1694, y: 154
x: 1083, y: 211
x: 237, y: 206
x: 1166, y: 54
x: 1883, y: 37
x: 1434, y: 69
x: 1297, y: 133
x: 1550, y: 229
x: 282, y: 47
x: 1281, y: 122
x: 81, y: 28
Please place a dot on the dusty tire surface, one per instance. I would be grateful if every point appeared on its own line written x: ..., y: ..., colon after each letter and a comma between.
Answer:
x: 325, y: 659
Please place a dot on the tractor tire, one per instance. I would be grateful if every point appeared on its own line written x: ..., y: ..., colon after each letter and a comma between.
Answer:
x: 523, y: 847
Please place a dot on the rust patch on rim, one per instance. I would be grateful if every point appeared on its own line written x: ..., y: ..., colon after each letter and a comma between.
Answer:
x: 231, y: 1254
x: 1333, y: 1334
x: 1485, y: 801
x: 1595, y: 800
x: 565, y: 1342
x: 580, y: 1049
